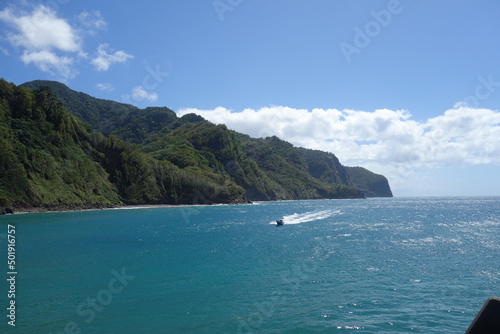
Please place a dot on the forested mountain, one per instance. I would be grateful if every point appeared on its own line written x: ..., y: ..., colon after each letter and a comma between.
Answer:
x: 51, y: 159
x: 62, y: 149
x: 373, y: 185
x: 104, y: 116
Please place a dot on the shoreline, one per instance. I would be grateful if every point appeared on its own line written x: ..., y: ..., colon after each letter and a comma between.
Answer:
x: 9, y: 210
x: 12, y: 210
x: 6, y: 211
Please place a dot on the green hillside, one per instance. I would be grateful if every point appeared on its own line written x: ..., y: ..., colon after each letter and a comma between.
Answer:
x: 103, y: 115
x: 66, y: 149
x: 288, y: 166
x: 372, y: 185
x: 52, y: 160
x: 179, y: 140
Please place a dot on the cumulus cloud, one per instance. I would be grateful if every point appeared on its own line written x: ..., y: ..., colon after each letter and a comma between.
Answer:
x: 140, y: 94
x: 42, y: 38
x: 40, y: 29
x: 40, y: 35
x: 48, y: 61
x: 104, y: 59
x: 390, y: 142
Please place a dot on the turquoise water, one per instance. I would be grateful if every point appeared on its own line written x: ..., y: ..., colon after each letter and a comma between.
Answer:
x: 399, y: 265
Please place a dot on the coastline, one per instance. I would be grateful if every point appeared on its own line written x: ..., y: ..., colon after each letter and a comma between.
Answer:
x: 10, y: 210
x: 6, y: 211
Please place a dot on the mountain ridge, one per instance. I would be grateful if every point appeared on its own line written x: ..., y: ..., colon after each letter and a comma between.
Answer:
x: 151, y: 156
x: 374, y: 185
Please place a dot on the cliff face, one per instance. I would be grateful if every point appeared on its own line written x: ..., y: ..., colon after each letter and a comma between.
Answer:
x: 372, y: 185
x: 67, y: 149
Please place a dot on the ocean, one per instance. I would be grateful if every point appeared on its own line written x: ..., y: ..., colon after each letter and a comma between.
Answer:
x: 382, y: 265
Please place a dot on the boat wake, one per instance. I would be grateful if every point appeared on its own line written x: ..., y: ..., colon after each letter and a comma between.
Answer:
x: 299, y: 218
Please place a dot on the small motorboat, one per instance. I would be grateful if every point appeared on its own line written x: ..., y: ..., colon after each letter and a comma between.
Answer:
x: 280, y: 222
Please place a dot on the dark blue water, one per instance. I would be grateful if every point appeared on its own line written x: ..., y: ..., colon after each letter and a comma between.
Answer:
x: 407, y: 265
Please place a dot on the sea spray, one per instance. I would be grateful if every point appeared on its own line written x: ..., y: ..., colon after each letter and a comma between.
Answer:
x: 298, y: 218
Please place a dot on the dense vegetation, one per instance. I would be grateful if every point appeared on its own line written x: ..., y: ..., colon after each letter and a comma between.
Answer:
x: 62, y: 149
x: 372, y: 185
x: 50, y: 159
x: 288, y: 166
x: 103, y: 115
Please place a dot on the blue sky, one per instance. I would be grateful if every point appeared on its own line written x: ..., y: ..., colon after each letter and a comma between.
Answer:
x: 409, y: 89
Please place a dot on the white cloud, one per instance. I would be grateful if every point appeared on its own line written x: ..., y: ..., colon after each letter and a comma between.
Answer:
x: 41, y: 35
x: 104, y: 59
x: 48, y: 61
x: 140, y: 94
x: 40, y: 30
x: 92, y: 21
x: 107, y: 87
x: 52, y: 44
x: 385, y: 141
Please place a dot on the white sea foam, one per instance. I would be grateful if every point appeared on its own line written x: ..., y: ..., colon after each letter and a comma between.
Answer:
x: 298, y: 218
